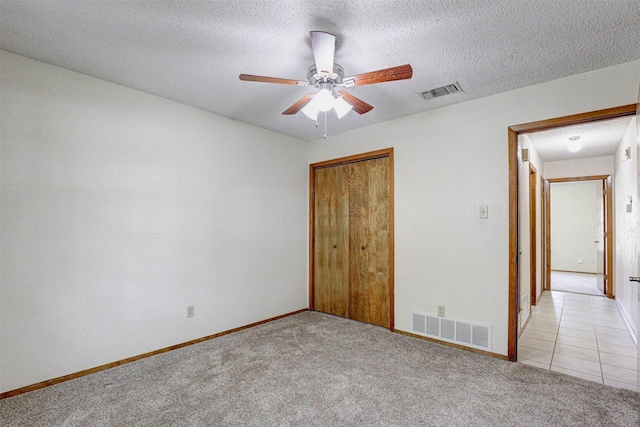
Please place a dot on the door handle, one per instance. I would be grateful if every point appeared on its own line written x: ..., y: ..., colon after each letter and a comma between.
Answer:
x: 634, y: 279
x: 596, y: 241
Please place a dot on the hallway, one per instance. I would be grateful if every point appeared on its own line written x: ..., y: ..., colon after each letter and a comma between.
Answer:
x: 580, y: 335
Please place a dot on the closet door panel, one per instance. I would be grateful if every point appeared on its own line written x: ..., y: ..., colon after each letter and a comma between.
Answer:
x: 358, y: 241
x: 379, y: 241
x: 369, y: 290
x: 331, y: 244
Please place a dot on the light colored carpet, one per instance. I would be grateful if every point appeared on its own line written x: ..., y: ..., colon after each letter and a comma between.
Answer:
x: 313, y: 369
x: 580, y: 283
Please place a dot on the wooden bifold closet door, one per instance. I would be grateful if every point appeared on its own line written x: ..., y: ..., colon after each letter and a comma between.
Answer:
x: 352, y: 238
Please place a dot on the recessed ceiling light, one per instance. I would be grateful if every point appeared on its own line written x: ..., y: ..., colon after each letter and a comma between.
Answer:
x: 574, y: 144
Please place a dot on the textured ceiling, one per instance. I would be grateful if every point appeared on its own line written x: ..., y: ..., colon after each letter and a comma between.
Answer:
x: 193, y: 52
x: 598, y: 139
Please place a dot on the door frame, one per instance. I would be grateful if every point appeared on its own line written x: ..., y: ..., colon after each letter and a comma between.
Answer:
x: 546, y: 235
x: 387, y: 152
x: 513, y: 132
x: 533, y: 234
x: 608, y: 225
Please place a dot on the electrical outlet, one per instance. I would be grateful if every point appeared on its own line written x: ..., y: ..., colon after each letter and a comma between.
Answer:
x: 441, y: 311
x: 190, y: 311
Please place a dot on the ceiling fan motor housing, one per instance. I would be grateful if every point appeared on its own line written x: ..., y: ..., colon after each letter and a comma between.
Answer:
x: 316, y: 78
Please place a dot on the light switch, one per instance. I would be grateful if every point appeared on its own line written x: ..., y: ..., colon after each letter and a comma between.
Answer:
x: 484, y: 212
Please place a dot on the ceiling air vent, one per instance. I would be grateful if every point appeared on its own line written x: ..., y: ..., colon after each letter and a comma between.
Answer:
x: 441, y: 91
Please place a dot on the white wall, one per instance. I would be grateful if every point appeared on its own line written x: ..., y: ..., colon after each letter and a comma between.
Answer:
x: 592, y: 166
x: 574, y: 223
x: 450, y: 161
x: 119, y: 209
x: 626, y: 227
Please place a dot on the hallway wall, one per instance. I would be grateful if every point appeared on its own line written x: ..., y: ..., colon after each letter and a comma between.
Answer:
x: 524, y: 231
x: 579, y: 167
x: 626, y: 226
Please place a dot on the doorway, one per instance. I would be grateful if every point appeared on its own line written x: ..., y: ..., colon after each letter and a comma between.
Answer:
x: 513, y: 132
x: 351, y: 242
x: 579, y: 249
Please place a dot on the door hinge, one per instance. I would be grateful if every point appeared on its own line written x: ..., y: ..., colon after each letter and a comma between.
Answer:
x: 606, y: 277
x: 604, y: 192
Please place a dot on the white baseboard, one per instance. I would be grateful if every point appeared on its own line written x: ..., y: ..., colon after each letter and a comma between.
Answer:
x: 627, y: 321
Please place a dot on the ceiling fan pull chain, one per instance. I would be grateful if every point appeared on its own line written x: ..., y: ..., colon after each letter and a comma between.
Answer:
x: 325, y: 125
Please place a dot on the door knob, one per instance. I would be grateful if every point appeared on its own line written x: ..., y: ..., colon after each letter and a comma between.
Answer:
x: 596, y: 241
x: 634, y: 279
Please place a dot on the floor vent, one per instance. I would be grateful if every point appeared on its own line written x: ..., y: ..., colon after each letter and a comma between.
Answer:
x: 456, y: 331
x: 441, y: 91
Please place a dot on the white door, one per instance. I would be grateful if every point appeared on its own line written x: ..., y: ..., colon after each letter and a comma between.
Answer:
x: 599, y: 241
x: 635, y: 206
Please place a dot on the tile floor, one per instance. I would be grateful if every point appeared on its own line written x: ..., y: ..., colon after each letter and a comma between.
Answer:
x: 580, y: 335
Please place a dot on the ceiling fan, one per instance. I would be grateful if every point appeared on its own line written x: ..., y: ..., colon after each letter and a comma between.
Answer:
x: 328, y: 78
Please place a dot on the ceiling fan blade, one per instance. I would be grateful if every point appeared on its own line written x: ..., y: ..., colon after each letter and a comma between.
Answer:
x: 401, y: 72
x: 298, y: 105
x: 323, y: 46
x: 263, y: 79
x: 359, y: 106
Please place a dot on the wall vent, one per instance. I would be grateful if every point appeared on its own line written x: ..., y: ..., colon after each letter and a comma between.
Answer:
x: 441, y: 91
x: 456, y: 331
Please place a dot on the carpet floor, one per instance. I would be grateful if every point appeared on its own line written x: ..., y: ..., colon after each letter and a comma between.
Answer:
x: 580, y: 283
x: 313, y: 369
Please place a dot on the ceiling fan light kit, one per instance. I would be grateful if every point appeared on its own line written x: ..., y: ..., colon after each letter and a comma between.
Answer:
x: 327, y: 76
x: 341, y: 107
x: 323, y: 99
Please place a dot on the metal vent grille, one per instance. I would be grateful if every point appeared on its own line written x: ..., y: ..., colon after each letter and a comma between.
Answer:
x: 441, y: 91
x: 418, y: 323
x: 464, y: 333
x: 448, y: 329
x: 480, y: 336
x: 433, y: 325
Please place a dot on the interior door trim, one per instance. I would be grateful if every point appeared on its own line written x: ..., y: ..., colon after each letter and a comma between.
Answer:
x: 387, y: 152
x: 533, y: 234
x: 513, y: 132
x: 546, y: 235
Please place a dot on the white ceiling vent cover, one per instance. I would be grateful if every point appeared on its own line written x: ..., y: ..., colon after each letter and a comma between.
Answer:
x: 459, y: 332
x: 441, y: 91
